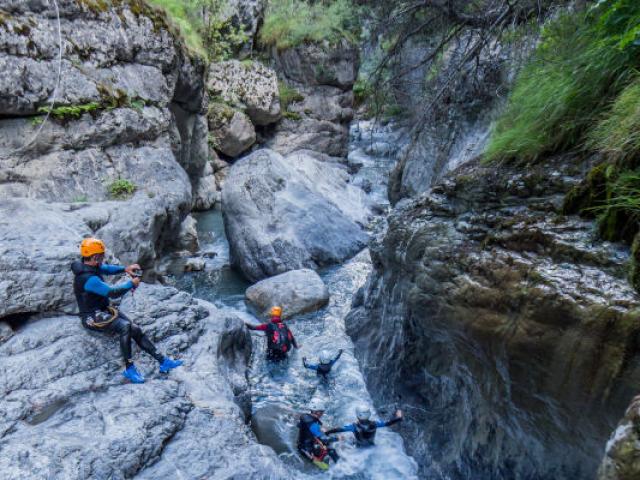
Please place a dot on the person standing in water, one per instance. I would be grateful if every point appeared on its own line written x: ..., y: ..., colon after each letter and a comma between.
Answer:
x: 280, y: 339
x: 365, y: 429
x: 325, y: 363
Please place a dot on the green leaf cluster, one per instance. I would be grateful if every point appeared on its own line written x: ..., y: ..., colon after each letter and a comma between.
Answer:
x: 121, y: 189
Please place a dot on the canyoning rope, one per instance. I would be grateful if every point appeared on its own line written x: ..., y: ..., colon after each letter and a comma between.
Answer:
x: 57, y: 84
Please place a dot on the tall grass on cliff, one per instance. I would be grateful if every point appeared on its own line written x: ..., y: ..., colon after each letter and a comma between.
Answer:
x: 203, y: 27
x: 185, y: 14
x: 289, y: 23
x: 583, y: 62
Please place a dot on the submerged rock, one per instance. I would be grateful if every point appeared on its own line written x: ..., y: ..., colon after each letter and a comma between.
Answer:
x: 290, y: 213
x: 297, y: 291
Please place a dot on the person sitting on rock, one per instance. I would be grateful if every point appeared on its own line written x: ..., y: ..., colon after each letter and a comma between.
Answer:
x: 325, y: 363
x: 365, y: 429
x: 313, y: 443
x: 279, y: 336
x: 96, y: 313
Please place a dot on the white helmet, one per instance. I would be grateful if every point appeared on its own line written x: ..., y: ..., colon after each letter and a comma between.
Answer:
x: 363, y: 412
x: 325, y: 357
x: 316, y: 405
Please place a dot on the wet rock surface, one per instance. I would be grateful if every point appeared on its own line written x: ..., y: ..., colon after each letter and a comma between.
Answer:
x: 297, y: 292
x: 66, y: 412
x: 500, y: 321
x: 290, y: 213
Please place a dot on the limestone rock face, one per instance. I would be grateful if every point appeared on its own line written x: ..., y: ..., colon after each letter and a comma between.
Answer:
x: 249, y: 85
x: 290, y: 213
x: 126, y: 113
x: 622, y: 456
x: 65, y: 403
x: 297, y: 291
x: 506, y: 311
x: 323, y: 75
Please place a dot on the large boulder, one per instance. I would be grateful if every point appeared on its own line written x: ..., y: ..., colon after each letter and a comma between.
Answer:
x: 231, y: 130
x: 297, y: 291
x: 249, y: 85
x: 290, y: 213
x: 67, y: 413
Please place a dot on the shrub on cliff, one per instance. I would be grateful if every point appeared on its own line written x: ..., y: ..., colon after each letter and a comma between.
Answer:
x: 581, y: 64
x: 289, y: 23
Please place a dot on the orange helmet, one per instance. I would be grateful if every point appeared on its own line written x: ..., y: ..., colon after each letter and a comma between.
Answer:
x: 91, y: 246
x: 276, y: 311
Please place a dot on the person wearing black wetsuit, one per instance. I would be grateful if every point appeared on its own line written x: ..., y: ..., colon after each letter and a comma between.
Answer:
x: 280, y: 339
x: 365, y: 429
x: 96, y: 313
x: 324, y: 365
x: 312, y: 442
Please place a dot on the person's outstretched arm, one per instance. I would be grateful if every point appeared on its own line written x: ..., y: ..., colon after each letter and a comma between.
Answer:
x: 293, y: 340
x: 310, y: 366
x: 262, y: 327
x: 97, y: 286
x: 107, y: 269
x: 320, y: 435
x: 396, y: 418
x: 346, y: 428
x: 337, y: 357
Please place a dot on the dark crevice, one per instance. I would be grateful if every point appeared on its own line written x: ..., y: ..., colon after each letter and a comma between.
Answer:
x: 17, y: 320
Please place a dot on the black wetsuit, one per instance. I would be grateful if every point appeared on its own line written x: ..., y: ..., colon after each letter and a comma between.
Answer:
x: 311, y: 440
x: 94, y: 298
x: 365, y: 430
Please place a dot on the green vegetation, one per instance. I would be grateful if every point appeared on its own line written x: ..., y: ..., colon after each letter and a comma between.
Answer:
x: 583, y: 62
x: 618, y: 134
x: 184, y: 15
x: 289, y: 23
x: 288, y: 96
x: 70, y: 111
x: 201, y: 25
x: 121, y: 188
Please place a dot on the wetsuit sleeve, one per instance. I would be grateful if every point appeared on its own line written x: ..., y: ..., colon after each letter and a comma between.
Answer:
x: 336, y: 359
x: 382, y: 423
x: 97, y: 286
x: 310, y: 366
x: 110, y: 269
x: 317, y: 432
x: 262, y: 327
x: 346, y: 428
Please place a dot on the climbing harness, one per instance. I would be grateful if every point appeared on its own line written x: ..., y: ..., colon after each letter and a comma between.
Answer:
x: 103, y: 319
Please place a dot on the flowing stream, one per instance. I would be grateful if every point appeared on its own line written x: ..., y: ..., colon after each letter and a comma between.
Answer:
x: 280, y: 392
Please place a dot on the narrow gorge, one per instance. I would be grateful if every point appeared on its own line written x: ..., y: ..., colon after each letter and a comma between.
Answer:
x: 444, y: 191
